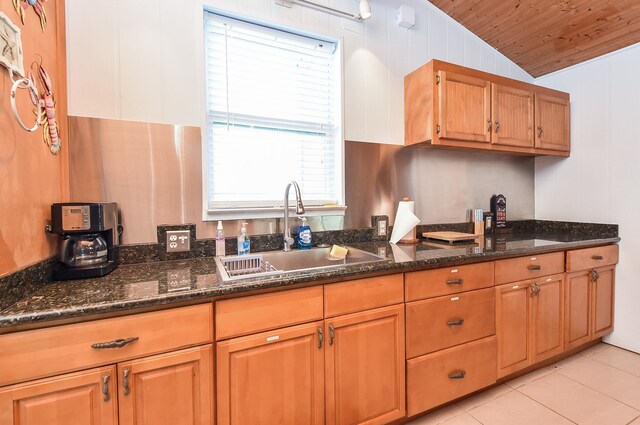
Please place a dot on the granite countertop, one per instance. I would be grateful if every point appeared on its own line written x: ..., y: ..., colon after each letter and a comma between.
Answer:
x: 158, y: 283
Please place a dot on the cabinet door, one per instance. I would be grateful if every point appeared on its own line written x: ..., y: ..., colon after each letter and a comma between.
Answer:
x: 464, y: 107
x: 512, y: 112
x: 168, y: 389
x: 83, y: 398
x: 273, y: 377
x: 602, y: 302
x: 512, y: 327
x: 548, y: 320
x: 365, y: 369
x: 577, y: 309
x: 552, y: 122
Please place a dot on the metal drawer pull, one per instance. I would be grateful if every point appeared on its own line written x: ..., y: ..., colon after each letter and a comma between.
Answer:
x: 455, y: 282
x: 105, y: 387
x: 594, y: 275
x: 125, y: 381
x: 118, y: 343
x: 320, y: 337
x: 332, y: 334
x: 489, y: 124
x: 458, y: 322
x: 458, y: 375
x: 597, y: 257
x: 534, y: 267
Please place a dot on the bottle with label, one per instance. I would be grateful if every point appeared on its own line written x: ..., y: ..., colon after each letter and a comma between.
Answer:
x: 304, y: 235
x: 220, y: 248
x: 244, y: 244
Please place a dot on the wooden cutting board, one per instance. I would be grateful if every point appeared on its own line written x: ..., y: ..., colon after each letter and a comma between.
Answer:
x: 450, y: 236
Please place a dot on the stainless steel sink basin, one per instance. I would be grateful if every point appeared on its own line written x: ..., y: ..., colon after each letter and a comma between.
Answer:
x: 278, y: 262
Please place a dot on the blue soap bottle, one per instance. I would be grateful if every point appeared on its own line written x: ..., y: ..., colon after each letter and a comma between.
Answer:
x: 304, y: 235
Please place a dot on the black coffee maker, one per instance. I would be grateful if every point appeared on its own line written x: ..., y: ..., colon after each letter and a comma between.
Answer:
x: 88, y: 234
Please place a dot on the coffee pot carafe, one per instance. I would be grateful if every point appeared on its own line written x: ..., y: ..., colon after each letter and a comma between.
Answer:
x: 82, y: 250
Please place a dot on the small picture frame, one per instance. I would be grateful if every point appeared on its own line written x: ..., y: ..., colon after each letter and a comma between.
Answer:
x: 11, y: 55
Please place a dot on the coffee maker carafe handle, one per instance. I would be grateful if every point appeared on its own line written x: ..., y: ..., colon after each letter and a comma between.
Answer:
x: 66, y: 251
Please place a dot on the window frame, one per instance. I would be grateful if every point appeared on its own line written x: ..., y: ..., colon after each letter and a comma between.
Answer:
x: 238, y: 210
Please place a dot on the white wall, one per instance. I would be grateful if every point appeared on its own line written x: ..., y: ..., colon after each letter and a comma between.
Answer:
x: 142, y: 60
x: 599, y: 182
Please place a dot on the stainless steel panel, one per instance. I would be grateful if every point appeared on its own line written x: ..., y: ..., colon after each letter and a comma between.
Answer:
x: 154, y: 172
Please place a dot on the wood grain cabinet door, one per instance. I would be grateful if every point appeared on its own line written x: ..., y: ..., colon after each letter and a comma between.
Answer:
x: 512, y: 112
x: 577, y: 309
x: 274, y: 377
x: 602, y: 288
x: 83, y: 398
x: 365, y: 367
x: 513, y: 326
x: 464, y: 107
x: 552, y: 122
x: 168, y: 389
x: 548, y: 317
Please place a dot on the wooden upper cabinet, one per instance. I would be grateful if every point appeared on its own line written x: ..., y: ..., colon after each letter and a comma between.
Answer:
x: 464, y: 107
x: 83, y: 398
x: 169, y: 389
x: 512, y: 112
x: 365, y: 367
x: 447, y: 105
x: 552, y: 122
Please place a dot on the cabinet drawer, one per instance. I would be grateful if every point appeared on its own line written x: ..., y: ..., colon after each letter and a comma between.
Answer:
x: 443, y: 322
x: 242, y: 316
x: 440, y: 377
x: 363, y: 294
x: 450, y: 280
x: 43, y: 352
x: 589, y: 258
x: 530, y: 267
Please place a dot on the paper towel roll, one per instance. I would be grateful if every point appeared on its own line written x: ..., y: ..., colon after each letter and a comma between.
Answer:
x: 406, y: 220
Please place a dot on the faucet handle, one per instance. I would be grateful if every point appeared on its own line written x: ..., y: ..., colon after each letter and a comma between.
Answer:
x: 289, y: 240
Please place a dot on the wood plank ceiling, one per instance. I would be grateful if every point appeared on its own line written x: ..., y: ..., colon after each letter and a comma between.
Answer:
x: 543, y: 36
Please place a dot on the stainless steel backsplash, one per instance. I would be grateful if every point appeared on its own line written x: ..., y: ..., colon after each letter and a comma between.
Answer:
x: 154, y: 172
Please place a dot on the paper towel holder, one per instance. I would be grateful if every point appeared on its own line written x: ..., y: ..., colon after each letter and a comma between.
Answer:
x: 410, y: 238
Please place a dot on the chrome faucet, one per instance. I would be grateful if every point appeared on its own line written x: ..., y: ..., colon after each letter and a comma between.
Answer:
x: 288, y: 240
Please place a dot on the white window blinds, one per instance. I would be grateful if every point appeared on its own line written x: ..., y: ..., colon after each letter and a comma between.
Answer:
x: 273, y: 115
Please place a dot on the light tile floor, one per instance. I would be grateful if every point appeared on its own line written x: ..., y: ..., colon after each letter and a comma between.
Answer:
x: 599, y: 386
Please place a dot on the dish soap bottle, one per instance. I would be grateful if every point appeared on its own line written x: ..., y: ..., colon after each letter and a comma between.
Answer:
x: 304, y: 235
x: 220, y: 249
x: 243, y: 240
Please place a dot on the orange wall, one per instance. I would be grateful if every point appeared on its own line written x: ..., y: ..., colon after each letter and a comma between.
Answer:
x: 31, y: 178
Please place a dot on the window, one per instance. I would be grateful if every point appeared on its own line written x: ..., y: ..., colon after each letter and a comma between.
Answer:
x: 273, y: 115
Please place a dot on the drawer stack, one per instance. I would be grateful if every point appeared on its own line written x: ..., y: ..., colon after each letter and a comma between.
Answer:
x: 450, y: 327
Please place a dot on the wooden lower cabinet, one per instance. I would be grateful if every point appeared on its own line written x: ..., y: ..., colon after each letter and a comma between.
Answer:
x: 440, y: 377
x: 272, y: 377
x: 365, y: 367
x: 589, y: 297
x: 83, y: 398
x: 168, y: 389
x: 529, y: 322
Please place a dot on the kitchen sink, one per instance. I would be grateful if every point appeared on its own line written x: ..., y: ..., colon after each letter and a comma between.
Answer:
x: 279, y: 262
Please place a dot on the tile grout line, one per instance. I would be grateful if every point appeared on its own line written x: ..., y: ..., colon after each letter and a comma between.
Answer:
x: 547, y: 407
x: 632, y: 420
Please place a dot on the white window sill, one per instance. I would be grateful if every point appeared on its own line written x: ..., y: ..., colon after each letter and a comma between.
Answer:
x: 270, y: 212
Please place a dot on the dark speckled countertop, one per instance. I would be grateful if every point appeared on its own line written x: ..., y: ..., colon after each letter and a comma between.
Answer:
x: 144, y: 285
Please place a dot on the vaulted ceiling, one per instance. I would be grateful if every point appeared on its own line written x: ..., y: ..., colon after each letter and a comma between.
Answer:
x: 543, y: 36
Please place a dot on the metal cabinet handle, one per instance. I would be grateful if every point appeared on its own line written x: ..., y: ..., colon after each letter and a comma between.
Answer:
x: 458, y: 322
x: 537, y: 288
x: 489, y: 124
x: 118, y: 343
x: 332, y: 334
x: 497, y: 125
x: 540, y: 131
x: 533, y: 290
x: 458, y: 375
x: 594, y: 275
x: 125, y: 381
x: 320, y: 337
x: 105, y: 387
x: 455, y: 282
x: 597, y: 257
x: 534, y: 267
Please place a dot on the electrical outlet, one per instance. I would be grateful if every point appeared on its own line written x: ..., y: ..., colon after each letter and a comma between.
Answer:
x: 178, y: 240
x: 382, y: 228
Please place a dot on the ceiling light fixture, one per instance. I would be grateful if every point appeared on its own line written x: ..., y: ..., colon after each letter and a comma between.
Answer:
x: 364, y: 6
